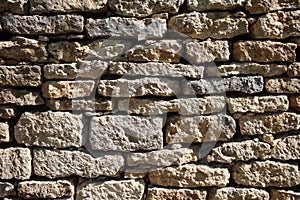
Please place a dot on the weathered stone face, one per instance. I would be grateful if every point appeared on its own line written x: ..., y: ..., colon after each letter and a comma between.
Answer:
x: 283, y: 85
x: 293, y: 70
x: 4, y: 132
x: 20, y: 97
x: 7, y: 112
x: 80, y: 104
x: 287, y: 148
x: 16, y: 6
x: 178, y: 194
x: 6, y: 189
x: 295, y: 102
x: 259, y: 7
x: 282, y: 194
x: 60, y: 71
x: 238, y: 193
x: 204, y: 5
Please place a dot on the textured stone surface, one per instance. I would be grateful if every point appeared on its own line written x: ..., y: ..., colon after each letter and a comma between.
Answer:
x: 6, y: 189
x: 238, y: 193
x: 200, y: 128
x: 207, y: 51
x: 269, y: 123
x: 293, y: 70
x: 21, y: 75
x: 177, y: 194
x: 284, y: 195
x: 67, y: 89
x: 204, y: 5
x: 266, y: 173
x: 139, y: 87
x: 16, y: 6
x: 287, y: 148
x: 66, y: 6
x: 126, y: 133
x: 15, y: 163
x: 4, y: 132
x: 161, y: 50
x: 258, y: 104
x: 60, y: 71
x: 45, y: 189
x: 264, y: 51
x: 80, y: 104
x: 20, y: 48
x: 20, y: 97
x: 49, y: 129
x: 7, y: 112
x: 283, y: 85
x: 278, y: 25
x: 243, y: 151
x: 126, y: 27
x: 123, y: 189
x: 190, y: 175
x: 188, y: 106
x: 209, y: 25
x: 156, y: 69
x: 92, y: 69
x: 67, y: 51
x: 259, y: 7
x: 295, y: 102
x: 144, y: 8
x: 56, y: 164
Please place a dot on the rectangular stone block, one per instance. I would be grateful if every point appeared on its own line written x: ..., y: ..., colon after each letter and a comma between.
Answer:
x: 15, y: 163
x: 283, y: 85
x: 284, y: 194
x: 190, y: 176
x: 60, y: 71
x: 67, y: 51
x: 295, y: 102
x: 4, y: 132
x: 259, y: 7
x: 6, y: 189
x: 49, y: 129
x: 126, y: 133
x: 179, y: 194
x: 238, y: 193
x: 287, y: 148
x: 293, y: 69
x: 20, y: 97
x: 205, y: 5
x: 37, y: 24
x: 16, y: 6
x: 80, y: 104
x: 62, y: 163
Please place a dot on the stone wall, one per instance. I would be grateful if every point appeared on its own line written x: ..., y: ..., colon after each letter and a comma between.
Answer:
x: 150, y: 99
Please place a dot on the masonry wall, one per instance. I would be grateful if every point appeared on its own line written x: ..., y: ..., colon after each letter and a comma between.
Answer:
x: 150, y: 99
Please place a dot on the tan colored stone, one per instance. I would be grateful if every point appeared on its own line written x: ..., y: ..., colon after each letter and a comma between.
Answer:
x: 135, y: 173
x: 80, y: 104
x: 4, y: 132
x: 8, y: 112
x: 230, y: 193
x: 122, y: 189
x: 15, y: 6
x: 293, y: 70
x: 49, y: 129
x: 265, y: 6
x: 205, y: 5
x: 258, y: 104
x: 295, y: 102
x: 277, y: 25
x: 200, y: 128
x: 269, y: 123
x: 15, y: 163
x: 92, y: 69
x: 133, y: 133
x: 23, y: 49
x: 190, y: 176
x: 266, y: 174
x: 63, y: 163
x: 6, y: 189
x: 20, y: 97
x: 177, y: 194
x: 244, y: 151
x: 287, y: 148
x: 283, y: 85
x: 284, y: 195
x: 208, y: 25
x: 126, y: 27
x: 60, y: 71
x: 264, y: 51
x: 67, y: 89
x: 45, y: 189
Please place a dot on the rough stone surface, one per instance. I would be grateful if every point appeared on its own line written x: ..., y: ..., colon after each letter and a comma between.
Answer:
x: 283, y: 85
x: 123, y: 189
x: 49, y: 129
x: 139, y: 87
x: 80, y: 104
x: 16, y: 6
x: 66, y: 6
x: 258, y: 104
x: 45, y: 189
x: 200, y: 128
x: 278, y: 25
x: 259, y: 7
x: 269, y: 123
x: 67, y: 51
x: 36, y: 24
x: 264, y: 51
x: 209, y: 25
x: 6, y: 189
x: 126, y: 27
x: 7, y: 112
x: 67, y: 89
x: 15, y: 163
x: 92, y: 69
x: 4, y: 132
x: 188, y: 106
x: 20, y: 97
x: 293, y: 70
x: 207, y: 51
x: 295, y: 102
x: 21, y: 75
x: 56, y: 164
x: 126, y: 133
x: 23, y: 49
x: 144, y: 8
x: 238, y: 193
x: 287, y: 148
x: 204, y: 5
x: 60, y: 71
x: 242, y: 151
x: 156, y: 69
x: 266, y: 174
x: 178, y: 194
x: 190, y: 176
x: 284, y: 195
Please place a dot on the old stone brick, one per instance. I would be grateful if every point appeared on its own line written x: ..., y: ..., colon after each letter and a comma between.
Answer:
x: 45, y: 189
x: 178, y: 194
x: 8, y: 112
x: 264, y: 51
x: 63, y: 163
x: 92, y: 69
x: 67, y: 51
x: 238, y: 193
x: 80, y: 104
x: 126, y: 133
x: 283, y: 85
x: 60, y: 71
x: 200, y: 128
x: 190, y: 176
x: 287, y: 148
x: 15, y: 163
x: 204, y: 5
x: 20, y: 97
x: 6, y: 189
x: 4, y: 132
x: 293, y: 70
x: 295, y: 102
x: 259, y: 7
x: 266, y: 174
x: 49, y: 129
x: 16, y: 6
x: 284, y: 195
